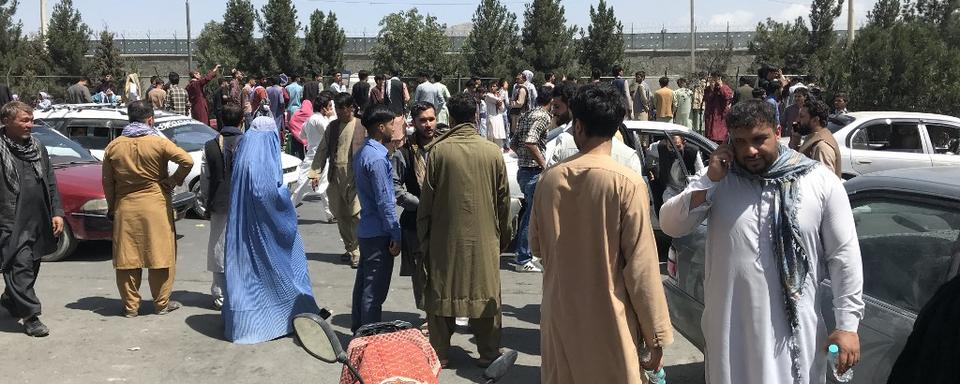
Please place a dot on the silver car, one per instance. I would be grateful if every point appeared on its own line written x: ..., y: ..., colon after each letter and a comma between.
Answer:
x: 908, y: 225
x: 878, y: 141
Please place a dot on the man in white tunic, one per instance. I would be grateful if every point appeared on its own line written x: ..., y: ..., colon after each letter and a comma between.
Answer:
x: 313, y: 129
x: 564, y: 146
x: 776, y: 222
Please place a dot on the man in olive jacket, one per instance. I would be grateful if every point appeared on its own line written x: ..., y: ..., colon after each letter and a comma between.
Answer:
x: 463, y: 224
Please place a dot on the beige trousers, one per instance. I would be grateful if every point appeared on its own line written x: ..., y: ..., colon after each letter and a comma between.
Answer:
x: 161, y: 284
x: 346, y: 209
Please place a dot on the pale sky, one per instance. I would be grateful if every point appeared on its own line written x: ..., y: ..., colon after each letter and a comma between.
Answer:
x: 166, y: 19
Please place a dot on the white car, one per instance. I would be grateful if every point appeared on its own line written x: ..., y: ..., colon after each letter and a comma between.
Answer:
x: 878, y: 141
x: 93, y: 126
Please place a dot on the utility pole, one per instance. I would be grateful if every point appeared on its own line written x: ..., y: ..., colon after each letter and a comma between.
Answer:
x: 189, y: 50
x: 849, y: 22
x: 693, y: 42
x: 43, y: 18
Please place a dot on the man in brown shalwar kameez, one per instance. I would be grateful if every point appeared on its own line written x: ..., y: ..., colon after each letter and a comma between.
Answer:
x: 463, y: 223
x: 138, y: 192
x: 602, y: 295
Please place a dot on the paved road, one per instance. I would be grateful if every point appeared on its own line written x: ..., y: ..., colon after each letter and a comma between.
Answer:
x: 91, y: 342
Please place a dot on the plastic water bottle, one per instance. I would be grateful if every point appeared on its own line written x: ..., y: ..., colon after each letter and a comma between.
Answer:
x: 833, y: 353
x: 656, y: 377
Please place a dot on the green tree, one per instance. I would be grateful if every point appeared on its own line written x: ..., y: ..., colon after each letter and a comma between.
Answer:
x: 602, y: 45
x: 68, y: 39
x: 823, y: 14
x: 546, y: 42
x: 278, y: 22
x: 32, y: 63
x: 409, y: 42
x: 312, y: 48
x: 107, y: 59
x: 332, y: 41
x: 238, y: 27
x: 781, y: 44
x: 884, y: 13
x: 716, y: 59
x: 11, y: 35
x: 493, y: 38
x: 212, y: 48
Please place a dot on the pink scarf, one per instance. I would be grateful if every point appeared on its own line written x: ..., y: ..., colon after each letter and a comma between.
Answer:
x: 299, y: 118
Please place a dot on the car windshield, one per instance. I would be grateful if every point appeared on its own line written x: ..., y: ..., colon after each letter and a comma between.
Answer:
x: 61, y: 149
x: 190, y: 135
x: 837, y: 122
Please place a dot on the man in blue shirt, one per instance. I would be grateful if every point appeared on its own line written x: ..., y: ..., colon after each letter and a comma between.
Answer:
x: 379, y: 228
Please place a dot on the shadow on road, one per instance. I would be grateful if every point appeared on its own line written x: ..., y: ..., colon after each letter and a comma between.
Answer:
x: 312, y: 221
x: 193, y: 299
x: 343, y: 319
x: 691, y: 373
x: 522, y: 340
x: 92, y: 251
x: 105, y: 306
x: 9, y: 324
x: 210, y: 325
x: 530, y: 313
x: 326, y: 258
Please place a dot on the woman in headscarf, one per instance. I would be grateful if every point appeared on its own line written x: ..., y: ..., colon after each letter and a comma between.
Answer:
x: 266, y: 268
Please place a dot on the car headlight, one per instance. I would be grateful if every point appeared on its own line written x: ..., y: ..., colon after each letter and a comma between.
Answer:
x: 95, y: 207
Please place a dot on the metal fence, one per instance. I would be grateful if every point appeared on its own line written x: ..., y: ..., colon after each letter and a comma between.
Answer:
x: 362, y: 45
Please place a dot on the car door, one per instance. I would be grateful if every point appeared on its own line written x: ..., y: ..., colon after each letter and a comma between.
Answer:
x: 906, y: 245
x: 944, y: 143
x: 887, y: 144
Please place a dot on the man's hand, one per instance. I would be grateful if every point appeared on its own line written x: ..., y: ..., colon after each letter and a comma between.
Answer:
x: 394, y: 248
x: 216, y: 68
x: 57, y: 222
x: 849, y: 343
x: 655, y: 363
x: 720, y: 162
x: 314, y: 183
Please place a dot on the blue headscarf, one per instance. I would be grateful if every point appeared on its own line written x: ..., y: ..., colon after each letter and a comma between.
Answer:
x: 265, y: 265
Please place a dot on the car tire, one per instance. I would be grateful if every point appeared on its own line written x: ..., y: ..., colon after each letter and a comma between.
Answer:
x: 199, y: 208
x: 66, y: 244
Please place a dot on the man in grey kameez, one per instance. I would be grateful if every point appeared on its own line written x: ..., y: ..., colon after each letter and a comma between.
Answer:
x: 777, y: 221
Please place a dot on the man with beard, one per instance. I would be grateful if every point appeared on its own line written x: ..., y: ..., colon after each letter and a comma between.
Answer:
x: 409, y: 170
x: 197, y: 99
x: 778, y: 223
x: 31, y: 218
x: 564, y: 144
x: 819, y: 144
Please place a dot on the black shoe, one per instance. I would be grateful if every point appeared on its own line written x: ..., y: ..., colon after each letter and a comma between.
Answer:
x: 171, y: 306
x: 34, y: 327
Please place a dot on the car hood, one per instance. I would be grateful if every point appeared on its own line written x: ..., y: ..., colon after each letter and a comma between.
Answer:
x: 287, y: 161
x: 80, y: 180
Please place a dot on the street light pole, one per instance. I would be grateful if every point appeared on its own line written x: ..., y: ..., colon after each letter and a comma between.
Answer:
x: 189, y: 42
x: 849, y: 22
x: 693, y: 43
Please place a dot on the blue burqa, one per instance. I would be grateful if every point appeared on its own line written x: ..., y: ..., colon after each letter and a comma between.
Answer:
x: 265, y: 265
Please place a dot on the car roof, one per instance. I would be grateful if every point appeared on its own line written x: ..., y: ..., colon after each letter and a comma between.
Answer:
x: 100, y: 111
x: 869, y: 115
x: 937, y: 181
x: 654, y: 125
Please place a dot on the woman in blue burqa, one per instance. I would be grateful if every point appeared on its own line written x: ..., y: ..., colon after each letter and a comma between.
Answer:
x: 265, y: 265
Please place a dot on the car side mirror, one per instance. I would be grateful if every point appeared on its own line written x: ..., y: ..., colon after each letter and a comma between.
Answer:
x: 318, y: 338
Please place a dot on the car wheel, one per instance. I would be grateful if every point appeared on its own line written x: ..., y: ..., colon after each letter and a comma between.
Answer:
x: 66, y: 244
x: 199, y: 208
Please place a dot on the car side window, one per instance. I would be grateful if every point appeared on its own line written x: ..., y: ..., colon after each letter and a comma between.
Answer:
x: 944, y: 138
x: 907, y: 248
x: 889, y: 136
x: 90, y: 134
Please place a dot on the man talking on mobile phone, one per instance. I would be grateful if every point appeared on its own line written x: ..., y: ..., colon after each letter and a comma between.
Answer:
x: 776, y: 220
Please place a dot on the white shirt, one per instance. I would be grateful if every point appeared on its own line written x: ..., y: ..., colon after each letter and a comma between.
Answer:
x: 744, y: 321
x: 563, y: 146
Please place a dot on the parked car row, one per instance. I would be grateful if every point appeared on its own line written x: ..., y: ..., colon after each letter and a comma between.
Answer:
x: 79, y: 181
x: 93, y: 126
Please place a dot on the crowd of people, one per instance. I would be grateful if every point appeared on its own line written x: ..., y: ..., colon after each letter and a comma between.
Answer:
x: 586, y: 226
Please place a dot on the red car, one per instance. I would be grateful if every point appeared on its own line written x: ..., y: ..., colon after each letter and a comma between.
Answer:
x: 79, y: 182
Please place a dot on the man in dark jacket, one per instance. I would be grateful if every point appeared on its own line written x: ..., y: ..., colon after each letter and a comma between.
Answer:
x: 409, y: 168
x: 215, y: 181
x: 31, y: 217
